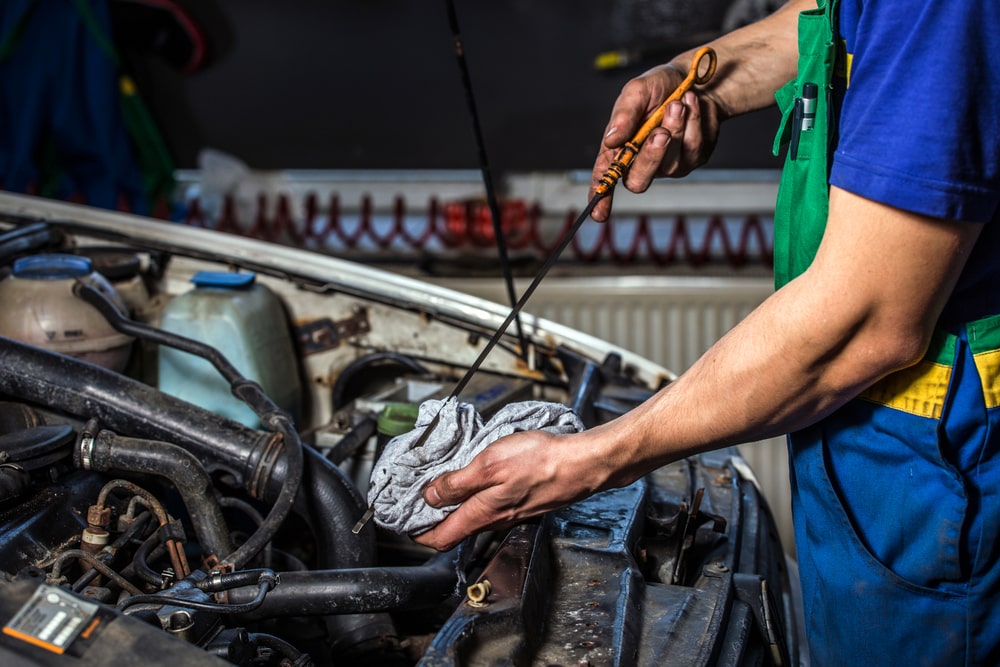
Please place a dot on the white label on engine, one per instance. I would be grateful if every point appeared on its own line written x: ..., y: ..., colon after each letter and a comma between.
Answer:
x: 52, y: 619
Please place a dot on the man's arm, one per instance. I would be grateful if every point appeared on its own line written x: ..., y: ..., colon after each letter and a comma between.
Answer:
x: 865, y: 308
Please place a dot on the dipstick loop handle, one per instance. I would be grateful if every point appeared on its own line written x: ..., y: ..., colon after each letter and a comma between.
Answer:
x: 631, y: 148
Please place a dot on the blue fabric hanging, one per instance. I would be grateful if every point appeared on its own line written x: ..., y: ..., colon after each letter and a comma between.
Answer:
x: 63, y: 133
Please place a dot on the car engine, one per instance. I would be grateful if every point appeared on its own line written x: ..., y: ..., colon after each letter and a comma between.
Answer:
x: 142, y: 523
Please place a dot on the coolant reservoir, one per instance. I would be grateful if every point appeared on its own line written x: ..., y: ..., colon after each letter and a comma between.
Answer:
x: 39, y: 308
x: 243, y: 320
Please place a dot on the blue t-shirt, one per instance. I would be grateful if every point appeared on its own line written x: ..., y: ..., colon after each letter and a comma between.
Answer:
x: 919, y: 125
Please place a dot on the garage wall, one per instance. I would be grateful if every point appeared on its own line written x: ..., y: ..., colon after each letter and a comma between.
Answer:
x: 331, y: 84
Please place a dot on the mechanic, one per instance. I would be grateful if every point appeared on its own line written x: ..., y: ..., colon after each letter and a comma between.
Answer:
x: 880, y: 350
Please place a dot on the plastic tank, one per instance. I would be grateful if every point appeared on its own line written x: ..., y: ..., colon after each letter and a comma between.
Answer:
x: 246, y: 322
x: 39, y: 308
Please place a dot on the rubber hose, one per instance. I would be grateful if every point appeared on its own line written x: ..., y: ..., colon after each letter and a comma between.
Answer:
x: 27, y: 239
x: 242, y: 387
x: 355, y: 591
x: 141, y: 558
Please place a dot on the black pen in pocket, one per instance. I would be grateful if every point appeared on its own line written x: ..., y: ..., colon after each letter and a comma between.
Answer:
x: 793, y: 148
x: 803, y: 116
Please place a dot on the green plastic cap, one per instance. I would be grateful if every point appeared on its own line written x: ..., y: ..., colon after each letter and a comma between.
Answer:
x: 397, y: 418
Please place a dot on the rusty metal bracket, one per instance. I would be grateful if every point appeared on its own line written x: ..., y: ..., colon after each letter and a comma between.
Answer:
x: 326, y: 334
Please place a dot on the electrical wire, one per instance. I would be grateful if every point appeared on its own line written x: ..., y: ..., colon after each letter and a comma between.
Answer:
x: 263, y: 587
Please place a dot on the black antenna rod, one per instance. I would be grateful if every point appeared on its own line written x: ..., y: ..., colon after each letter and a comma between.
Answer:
x: 484, y: 167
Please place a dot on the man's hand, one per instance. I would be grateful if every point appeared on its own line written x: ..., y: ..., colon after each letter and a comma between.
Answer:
x: 683, y: 142
x: 517, y: 477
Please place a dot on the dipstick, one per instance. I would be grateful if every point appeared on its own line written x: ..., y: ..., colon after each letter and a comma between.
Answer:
x: 615, y: 171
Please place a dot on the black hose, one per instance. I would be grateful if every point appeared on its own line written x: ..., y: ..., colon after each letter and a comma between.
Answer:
x: 292, y: 561
x: 357, y: 377
x: 106, y: 451
x: 251, y: 512
x: 352, y: 440
x: 356, y: 591
x: 286, y: 497
x: 27, y: 239
x: 242, y: 387
x: 143, y: 555
x: 331, y: 505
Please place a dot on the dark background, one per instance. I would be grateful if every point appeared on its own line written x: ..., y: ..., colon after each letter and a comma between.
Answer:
x: 375, y: 84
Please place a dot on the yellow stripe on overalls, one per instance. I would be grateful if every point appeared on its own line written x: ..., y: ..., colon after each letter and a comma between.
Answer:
x: 988, y: 365
x: 919, y: 390
x: 984, y: 340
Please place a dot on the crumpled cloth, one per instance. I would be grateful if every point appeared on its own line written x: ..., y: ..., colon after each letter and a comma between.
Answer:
x: 401, y: 473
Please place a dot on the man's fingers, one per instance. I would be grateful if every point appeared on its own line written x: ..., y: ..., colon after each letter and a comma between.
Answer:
x: 694, y: 138
x: 452, y: 488
x: 647, y: 164
x: 602, y: 210
x: 474, y: 515
x: 470, y: 517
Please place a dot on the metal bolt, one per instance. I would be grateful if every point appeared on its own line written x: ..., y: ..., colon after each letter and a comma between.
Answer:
x: 478, y: 592
x: 716, y: 568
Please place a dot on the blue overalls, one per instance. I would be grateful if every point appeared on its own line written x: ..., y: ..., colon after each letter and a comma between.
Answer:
x: 896, y: 496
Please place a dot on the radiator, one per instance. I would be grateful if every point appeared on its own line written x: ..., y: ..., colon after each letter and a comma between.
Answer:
x: 669, y: 320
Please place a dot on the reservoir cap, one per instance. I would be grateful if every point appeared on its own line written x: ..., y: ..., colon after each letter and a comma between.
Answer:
x: 52, y: 267
x: 223, y: 279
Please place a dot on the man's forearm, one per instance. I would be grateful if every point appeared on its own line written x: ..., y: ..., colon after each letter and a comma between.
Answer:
x: 849, y: 320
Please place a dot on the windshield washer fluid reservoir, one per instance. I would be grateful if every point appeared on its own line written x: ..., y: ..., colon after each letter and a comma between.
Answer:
x: 41, y: 309
x: 245, y: 321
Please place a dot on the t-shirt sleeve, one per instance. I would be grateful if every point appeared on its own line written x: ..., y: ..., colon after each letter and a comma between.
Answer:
x: 920, y: 121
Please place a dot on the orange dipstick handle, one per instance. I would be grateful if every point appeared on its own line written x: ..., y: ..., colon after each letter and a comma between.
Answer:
x: 628, y: 152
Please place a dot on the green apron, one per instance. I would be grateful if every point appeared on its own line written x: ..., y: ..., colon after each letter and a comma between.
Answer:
x: 803, y: 196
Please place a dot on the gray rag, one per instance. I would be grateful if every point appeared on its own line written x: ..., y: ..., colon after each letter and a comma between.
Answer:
x: 399, y: 476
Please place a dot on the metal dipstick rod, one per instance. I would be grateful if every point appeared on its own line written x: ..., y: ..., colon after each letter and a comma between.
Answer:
x: 615, y: 171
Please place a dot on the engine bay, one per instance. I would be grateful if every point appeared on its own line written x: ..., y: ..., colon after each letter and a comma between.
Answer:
x: 188, y: 423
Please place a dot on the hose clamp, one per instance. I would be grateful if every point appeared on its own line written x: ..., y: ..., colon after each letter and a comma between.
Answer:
x: 86, y: 450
